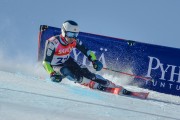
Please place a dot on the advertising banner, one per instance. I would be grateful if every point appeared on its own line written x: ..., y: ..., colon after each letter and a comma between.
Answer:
x: 159, y: 63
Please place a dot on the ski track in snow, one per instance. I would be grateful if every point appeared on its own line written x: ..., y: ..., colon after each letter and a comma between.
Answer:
x: 26, y: 95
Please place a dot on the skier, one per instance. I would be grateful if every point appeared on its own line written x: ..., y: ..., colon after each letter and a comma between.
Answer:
x: 59, y: 64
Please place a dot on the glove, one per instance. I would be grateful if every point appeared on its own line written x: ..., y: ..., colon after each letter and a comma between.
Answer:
x: 97, y: 65
x: 55, y: 77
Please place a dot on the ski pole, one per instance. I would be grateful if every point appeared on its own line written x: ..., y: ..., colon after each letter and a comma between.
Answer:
x: 132, y: 75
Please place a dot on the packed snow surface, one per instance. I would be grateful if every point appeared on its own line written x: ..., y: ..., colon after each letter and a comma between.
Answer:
x: 27, y: 93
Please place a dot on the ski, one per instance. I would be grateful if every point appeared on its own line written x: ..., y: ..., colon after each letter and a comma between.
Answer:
x: 142, y: 95
x: 114, y: 89
x: 119, y: 91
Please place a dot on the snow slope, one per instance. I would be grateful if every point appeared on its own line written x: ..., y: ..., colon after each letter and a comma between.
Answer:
x: 26, y: 93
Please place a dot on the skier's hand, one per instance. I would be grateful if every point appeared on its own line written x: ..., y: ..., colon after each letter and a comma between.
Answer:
x: 55, y: 77
x: 97, y: 65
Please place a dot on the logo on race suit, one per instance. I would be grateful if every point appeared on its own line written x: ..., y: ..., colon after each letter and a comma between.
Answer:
x: 169, y: 74
x: 65, y: 51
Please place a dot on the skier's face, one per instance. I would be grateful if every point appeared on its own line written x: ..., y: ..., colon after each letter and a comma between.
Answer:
x: 71, y: 36
x: 70, y: 40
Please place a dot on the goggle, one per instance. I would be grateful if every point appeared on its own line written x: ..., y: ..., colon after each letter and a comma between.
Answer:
x: 72, y: 34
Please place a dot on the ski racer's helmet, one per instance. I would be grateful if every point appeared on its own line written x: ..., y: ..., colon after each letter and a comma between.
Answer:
x: 70, y: 29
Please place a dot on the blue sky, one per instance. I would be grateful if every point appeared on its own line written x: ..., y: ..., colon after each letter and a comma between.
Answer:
x: 149, y: 21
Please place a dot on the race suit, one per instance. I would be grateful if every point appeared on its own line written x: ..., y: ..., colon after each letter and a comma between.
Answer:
x: 57, y: 59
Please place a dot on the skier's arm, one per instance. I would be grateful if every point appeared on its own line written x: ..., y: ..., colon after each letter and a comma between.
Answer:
x: 88, y: 53
x: 48, y: 55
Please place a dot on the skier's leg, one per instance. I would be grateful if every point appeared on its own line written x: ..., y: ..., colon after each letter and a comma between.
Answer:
x: 85, y: 77
x: 94, y: 77
x: 77, y: 78
x: 108, y: 82
x: 80, y: 70
x: 89, y: 83
x: 66, y: 73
